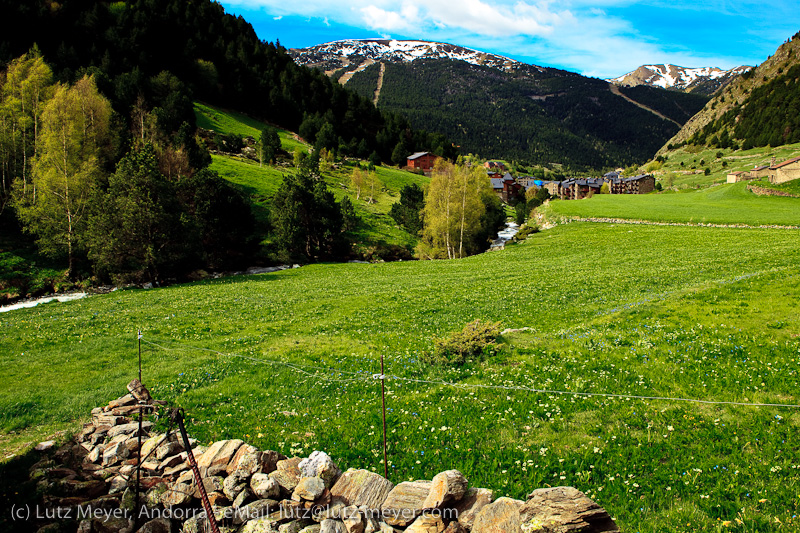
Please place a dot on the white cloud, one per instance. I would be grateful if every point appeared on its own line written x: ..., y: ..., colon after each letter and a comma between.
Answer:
x: 475, y: 16
x: 590, y: 36
x: 380, y: 19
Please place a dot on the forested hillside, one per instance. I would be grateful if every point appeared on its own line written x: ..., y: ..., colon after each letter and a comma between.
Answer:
x: 134, y: 199
x: 173, y: 51
x: 529, y: 114
x: 760, y: 108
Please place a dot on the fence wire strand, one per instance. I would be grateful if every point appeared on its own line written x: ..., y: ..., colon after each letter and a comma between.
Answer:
x: 319, y: 372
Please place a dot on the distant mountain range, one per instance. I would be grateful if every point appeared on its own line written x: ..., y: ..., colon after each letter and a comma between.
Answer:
x: 704, y: 80
x: 502, y: 108
x: 342, y: 54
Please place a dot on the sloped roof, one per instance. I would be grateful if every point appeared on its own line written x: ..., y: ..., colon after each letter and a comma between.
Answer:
x: 497, y: 183
x: 787, y: 162
x: 417, y: 155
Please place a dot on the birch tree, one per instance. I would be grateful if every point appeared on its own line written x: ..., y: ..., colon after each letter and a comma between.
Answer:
x: 25, y: 90
x: 74, y: 134
x: 453, y: 212
x: 357, y: 180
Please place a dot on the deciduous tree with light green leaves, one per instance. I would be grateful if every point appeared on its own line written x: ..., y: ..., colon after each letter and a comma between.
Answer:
x: 454, y: 211
x: 74, y: 137
x: 25, y: 91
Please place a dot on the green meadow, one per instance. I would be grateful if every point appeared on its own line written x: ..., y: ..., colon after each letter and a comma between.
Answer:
x: 611, y: 313
x: 723, y: 204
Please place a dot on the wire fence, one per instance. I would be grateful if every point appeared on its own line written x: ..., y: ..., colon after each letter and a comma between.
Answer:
x: 323, y: 373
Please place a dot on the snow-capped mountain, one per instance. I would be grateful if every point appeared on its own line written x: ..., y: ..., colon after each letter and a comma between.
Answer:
x: 345, y: 53
x: 706, y: 80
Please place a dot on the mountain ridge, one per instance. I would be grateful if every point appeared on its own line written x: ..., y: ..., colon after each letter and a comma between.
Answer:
x: 337, y: 53
x: 495, y: 106
x: 703, y: 80
x: 723, y: 120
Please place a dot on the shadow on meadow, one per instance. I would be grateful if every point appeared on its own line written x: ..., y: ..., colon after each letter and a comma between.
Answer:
x: 18, y: 492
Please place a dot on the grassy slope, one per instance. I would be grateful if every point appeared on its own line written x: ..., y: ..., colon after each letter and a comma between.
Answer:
x: 684, y: 176
x: 725, y: 204
x: 376, y: 230
x: 230, y: 122
x: 606, y: 316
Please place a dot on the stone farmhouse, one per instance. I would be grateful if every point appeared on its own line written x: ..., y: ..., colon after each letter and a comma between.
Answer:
x: 787, y: 171
x: 777, y: 173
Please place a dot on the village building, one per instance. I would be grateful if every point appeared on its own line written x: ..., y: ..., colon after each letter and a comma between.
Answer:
x: 506, y: 187
x: 577, y: 189
x: 641, y: 184
x: 736, y: 177
x: 421, y: 160
x: 787, y: 171
x: 497, y: 166
x: 759, y: 172
x: 553, y: 187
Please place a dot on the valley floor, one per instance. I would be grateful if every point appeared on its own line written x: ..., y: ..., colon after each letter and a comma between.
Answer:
x: 614, y: 313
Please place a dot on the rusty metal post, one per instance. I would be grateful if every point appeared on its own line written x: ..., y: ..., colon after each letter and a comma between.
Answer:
x: 177, y: 416
x: 139, y: 452
x: 138, y: 463
x: 383, y: 398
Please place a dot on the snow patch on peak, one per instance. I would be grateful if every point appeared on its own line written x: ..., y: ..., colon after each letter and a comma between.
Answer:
x: 669, y: 76
x: 399, y: 51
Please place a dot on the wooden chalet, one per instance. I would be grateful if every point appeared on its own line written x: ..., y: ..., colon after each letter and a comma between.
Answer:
x: 506, y: 187
x: 421, y: 160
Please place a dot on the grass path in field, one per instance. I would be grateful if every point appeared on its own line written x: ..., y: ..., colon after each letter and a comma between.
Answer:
x: 723, y: 204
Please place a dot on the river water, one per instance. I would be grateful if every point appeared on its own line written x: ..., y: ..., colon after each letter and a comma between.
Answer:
x: 43, y: 300
x: 504, y: 236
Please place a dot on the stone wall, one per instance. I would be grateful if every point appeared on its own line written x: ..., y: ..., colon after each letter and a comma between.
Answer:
x: 89, y: 484
x: 761, y: 191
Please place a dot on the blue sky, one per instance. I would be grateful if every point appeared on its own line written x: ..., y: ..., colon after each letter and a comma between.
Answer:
x: 602, y: 38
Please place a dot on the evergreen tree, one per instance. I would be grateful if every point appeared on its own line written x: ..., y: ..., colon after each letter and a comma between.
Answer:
x: 406, y: 212
x: 268, y: 145
x: 307, y: 220
x: 136, y: 231
x: 220, y: 220
x: 349, y: 217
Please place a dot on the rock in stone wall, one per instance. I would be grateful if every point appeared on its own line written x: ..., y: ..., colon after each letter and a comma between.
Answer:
x: 93, y: 479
